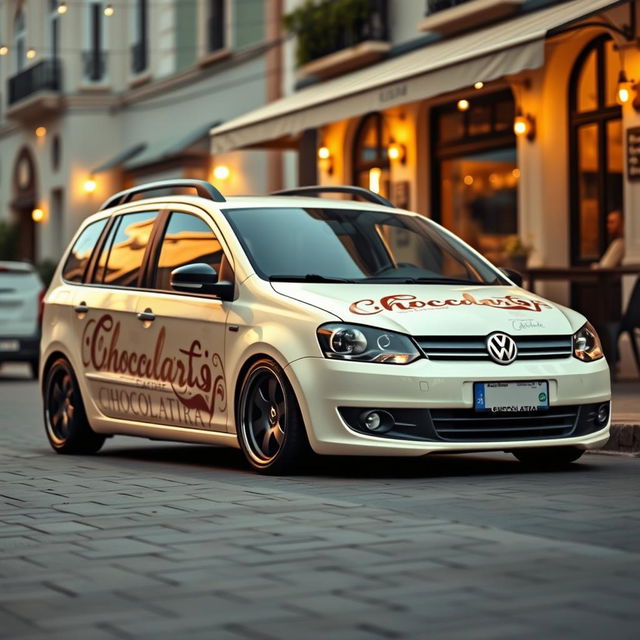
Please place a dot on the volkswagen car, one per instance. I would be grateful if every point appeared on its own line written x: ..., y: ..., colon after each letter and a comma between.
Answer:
x: 300, y: 322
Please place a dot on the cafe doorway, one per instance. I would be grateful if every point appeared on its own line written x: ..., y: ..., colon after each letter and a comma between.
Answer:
x: 475, y: 175
x: 596, y: 163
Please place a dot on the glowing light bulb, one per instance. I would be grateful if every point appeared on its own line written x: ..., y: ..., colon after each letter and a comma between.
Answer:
x: 221, y: 172
x: 463, y: 105
x: 109, y: 10
x: 37, y: 215
x: 62, y: 8
x: 90, y: 185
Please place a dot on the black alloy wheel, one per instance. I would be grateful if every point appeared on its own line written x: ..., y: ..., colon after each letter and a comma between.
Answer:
x: 65, y: 419
x: 270, y: 428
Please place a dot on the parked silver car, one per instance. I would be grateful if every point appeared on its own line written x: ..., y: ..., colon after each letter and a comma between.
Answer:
x: 21, y: 295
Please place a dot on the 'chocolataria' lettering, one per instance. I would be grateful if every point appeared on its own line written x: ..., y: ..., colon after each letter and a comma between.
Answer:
x: 196, y: 376
x: 407, y: 302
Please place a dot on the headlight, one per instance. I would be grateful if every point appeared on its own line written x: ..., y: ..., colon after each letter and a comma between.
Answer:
x: 365, y: 344
x: 586, y: 344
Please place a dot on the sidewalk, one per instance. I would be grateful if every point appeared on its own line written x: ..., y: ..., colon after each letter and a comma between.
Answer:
x: 625, y: 428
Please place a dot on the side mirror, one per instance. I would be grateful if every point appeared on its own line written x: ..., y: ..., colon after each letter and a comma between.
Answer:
x: 514, y: 276
x: 200, y: 278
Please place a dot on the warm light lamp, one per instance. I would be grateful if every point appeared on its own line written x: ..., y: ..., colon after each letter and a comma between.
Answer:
x: 41, y: 132
x: 396, y: 151
x: 623, y: 94
x: 221, y: 172
x: 374, y: 179
x: 325, y: 161
x: 463, y: 105
x: 4, y: 50
x: 62, y: 8
x: 90, y: 184
x: 109, y: 10
x: 524, y: 125
x: 37, y: 215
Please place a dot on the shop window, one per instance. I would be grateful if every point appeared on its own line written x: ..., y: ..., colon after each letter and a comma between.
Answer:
x: 475, y: 174
x: 370, y: 159
x: 595, y: 149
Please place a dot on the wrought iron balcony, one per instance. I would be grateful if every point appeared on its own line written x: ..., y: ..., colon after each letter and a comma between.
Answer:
x: 330, y: 27
x: 94, y: 64
x: 43, y: 76
x: 139, y: 57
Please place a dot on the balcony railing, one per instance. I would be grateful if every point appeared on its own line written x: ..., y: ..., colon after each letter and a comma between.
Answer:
x: 94, y: 64
x: 139, y: 57
x: 434, y: 6
x: 43, y: 76
x: 330, y: 27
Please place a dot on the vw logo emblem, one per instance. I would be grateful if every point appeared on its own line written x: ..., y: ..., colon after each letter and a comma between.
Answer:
x: 502, y: 348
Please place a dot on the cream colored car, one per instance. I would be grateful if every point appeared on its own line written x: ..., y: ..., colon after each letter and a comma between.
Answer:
x: 289, y: 323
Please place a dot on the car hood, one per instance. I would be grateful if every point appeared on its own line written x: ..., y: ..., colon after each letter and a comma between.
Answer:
x: 438, y: 309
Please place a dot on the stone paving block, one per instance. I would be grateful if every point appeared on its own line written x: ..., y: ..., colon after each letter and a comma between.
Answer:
x: 118, y: 547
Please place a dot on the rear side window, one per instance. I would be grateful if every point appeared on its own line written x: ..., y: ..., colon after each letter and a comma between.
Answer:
x: 187, y: 239
x: 123, y: 252
x: 78, y: 259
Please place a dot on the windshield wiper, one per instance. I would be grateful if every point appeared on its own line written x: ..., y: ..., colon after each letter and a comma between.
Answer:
x: 423, y: 280
x: 309, y: 277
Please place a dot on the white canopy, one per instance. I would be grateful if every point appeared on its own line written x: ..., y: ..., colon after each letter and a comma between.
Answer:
x: 501, y: 49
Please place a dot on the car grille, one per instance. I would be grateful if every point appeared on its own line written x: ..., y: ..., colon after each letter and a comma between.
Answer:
x: 472, y: 426
x: 474, y: 347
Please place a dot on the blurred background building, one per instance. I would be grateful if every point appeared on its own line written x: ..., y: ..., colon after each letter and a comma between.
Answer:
x: 97, y: 96
x: 515, y: 123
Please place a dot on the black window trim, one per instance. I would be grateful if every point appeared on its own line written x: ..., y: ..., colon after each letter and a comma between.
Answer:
x: 155, y: 245
x: 93, y: 251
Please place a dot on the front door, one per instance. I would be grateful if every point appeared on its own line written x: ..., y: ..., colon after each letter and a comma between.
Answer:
x: 182, y: 335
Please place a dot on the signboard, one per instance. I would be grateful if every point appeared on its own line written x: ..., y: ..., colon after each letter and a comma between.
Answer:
x: 633, y: 153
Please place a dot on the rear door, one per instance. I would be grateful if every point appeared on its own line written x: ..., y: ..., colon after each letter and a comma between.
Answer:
x: 181, y: 336
x: 106, y: 325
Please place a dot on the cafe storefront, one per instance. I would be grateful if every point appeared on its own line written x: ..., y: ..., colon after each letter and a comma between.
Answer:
x: 512, y: 137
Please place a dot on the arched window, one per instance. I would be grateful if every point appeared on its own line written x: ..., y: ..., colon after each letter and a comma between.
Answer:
x: 595, y: 148
x: 20, y: 41
x: 370, y: 159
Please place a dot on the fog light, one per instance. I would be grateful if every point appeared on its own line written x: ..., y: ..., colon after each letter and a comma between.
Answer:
x: 377, y: 421
x: 603, y: 413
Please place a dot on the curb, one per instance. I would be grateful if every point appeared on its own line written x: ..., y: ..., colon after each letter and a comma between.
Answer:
x: 624, y: 439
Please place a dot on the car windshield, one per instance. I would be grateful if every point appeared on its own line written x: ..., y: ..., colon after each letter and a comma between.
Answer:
x: 351, y: 245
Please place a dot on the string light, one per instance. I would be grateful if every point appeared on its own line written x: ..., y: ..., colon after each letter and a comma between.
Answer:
x: 41, y: 132
x: 31, y: 53
x: 478, y: 85
x: 4, y: 50
x: 37, y: 215
x: 463, y: 105
x: 109, y: 10
x: 62, y: 8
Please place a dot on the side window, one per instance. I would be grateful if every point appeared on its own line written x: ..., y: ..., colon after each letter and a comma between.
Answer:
x: 187, y: 239
x: 122, y: 254
x: 78, y: 259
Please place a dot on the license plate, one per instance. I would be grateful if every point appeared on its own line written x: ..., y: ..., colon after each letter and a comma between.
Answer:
x: 9, y: 345
x: 511, y: 397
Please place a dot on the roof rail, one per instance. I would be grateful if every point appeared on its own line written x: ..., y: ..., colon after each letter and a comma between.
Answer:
x: 203, y: 189
x: 361, y: 192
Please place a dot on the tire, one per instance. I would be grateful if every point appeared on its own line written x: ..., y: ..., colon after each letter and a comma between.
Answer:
x: 270, y: 428
x: 548, y: 457
x: 65, y: 419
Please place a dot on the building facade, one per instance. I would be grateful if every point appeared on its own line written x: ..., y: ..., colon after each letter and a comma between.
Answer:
x: 99, y: 96
x: 515, y: 123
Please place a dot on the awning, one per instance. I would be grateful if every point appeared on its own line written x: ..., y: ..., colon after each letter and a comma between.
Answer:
x: 120, y: 158
x: 447, y: 65
x: 167, y: 148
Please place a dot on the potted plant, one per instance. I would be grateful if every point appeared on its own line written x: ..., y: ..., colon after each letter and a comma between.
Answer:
x: 516, y: 253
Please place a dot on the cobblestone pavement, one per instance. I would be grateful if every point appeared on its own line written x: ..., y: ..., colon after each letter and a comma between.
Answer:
x: 160, y: 541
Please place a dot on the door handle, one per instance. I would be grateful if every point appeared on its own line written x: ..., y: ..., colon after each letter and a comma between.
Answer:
x: 146, y: 316
x: 81, y: 308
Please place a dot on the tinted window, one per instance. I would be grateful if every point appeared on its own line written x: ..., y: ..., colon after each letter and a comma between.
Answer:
x: 122, y: 256
x: 187, y: 239
x: 356, y: 245
x: 78, y: 259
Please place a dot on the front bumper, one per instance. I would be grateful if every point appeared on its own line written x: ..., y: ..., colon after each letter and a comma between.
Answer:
x: 325, y: 386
